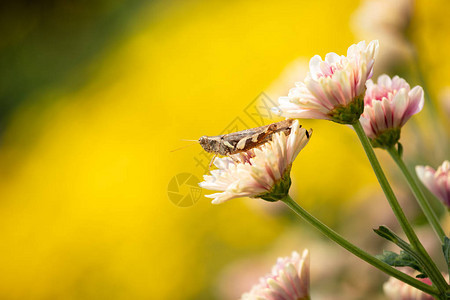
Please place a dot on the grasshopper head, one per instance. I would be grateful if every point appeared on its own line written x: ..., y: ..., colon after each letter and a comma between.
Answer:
x: 209, y: 143
x: 204, y: 143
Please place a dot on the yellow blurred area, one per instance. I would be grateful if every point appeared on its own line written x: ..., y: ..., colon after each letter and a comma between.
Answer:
x: 84, y: 211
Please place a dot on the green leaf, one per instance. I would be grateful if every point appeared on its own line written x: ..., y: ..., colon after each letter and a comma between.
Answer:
x: 400, y: 149
x: 402, y: 260
x: 407, y: 257
x: 446, y: 250
x: 388, y: 234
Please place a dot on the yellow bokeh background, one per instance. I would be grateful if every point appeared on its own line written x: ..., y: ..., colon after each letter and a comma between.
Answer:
x: 84, y: 210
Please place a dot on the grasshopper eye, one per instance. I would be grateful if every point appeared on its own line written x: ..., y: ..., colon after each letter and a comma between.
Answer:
x: 203, y: 141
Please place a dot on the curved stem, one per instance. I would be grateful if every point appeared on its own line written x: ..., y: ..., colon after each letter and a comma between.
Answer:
x: 423, y: 203
x: 431, y: 268
x: 330, y: 233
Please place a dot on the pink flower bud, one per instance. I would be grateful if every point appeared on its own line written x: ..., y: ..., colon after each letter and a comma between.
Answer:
x: 289, y: 280
x: 398, y: 290
x: 438, y: 182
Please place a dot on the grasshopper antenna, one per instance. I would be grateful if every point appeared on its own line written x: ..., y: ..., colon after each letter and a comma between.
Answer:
x: 184, y: 146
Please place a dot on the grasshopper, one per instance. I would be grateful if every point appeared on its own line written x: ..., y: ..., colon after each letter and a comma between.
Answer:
x: 241, y: 141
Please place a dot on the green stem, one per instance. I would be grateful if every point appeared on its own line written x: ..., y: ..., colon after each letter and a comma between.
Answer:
x: 330, y: 233
x: 423, y: 203
x: 431, y: 268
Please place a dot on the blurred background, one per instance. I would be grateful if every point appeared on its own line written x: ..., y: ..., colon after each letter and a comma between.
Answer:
x: 94, y: 95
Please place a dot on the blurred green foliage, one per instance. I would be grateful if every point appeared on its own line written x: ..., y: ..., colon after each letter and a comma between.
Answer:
x: 46, y: 44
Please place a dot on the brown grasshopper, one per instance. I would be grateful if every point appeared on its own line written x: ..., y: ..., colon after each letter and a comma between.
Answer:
x: 241, y: 141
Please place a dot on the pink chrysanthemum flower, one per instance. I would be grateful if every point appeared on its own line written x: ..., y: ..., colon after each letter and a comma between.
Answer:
x: 289, y: 280
x: 438, y: 182
x: 398, y: 290
x: 388, y: 104
x: 334, y: 87
x: 262, y: 172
